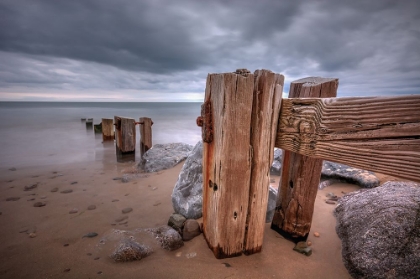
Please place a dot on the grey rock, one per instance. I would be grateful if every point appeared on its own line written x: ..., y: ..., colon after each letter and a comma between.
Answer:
x: 127, y: 210
x: 303, y: 248
x: 30, y: 187
x: 39, y: 204
x: 271, y: 205
x: 53, y: 190
x: 13, y: 199
x: 128, y: 250
x: 191, y: 229
x: 164, y: 156
x: 363, y: 178
x: 90, y: 235
x: 168, y: 238
x: 176, y: 221
x: 277, y: 161
x: 73, y: 211
x: 187, y: 196
x: 91, y: 207
x: 67, y: 191
x: 380, y: 231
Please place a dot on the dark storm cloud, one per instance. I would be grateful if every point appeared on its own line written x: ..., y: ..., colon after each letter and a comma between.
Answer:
x: 170, y: 46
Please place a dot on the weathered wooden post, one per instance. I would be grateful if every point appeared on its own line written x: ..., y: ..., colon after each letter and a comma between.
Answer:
x: 125, y: 138
x: 300, y: 174
x: 228, y: 120
x: 145, y: 134
x: 107, y: 129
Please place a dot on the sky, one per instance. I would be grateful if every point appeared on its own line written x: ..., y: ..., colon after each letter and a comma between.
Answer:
x: 155, y: 50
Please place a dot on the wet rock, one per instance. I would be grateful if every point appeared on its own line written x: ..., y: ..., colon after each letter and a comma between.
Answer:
x: 32, y: 235
x: 127, y: 210
x: 176, y: 221
x: 168, y: 238
x: 187, y: 198
x: 164, y: 156
x: 30, y: 187
x: 91, y: 207
x: 53, y: 190
x: 90, y: 235
x: 115, y: 200
x: 191, y: 229
x: 39, y: 204
x: 316, y: 234
x: 66, y: 191
x: 330, y: 201
x: 303, y: 248
x: 129, y: 250
x: 13, y: 199
x: 74, y: 182
x: 380, y: 231
x: 271, y: 205
x: 73, y: 211
x: 126, y: 178
x: 12, y: 169
x: 363, y: 178
x: 122, y: 218
x: 277, y: 161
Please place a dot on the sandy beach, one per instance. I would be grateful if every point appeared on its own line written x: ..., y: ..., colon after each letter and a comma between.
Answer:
x: 48, y: 242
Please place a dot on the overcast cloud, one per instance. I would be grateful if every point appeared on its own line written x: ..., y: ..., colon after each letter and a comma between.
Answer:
x: 130, y: 50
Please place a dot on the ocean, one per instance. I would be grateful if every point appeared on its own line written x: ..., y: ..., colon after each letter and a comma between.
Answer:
x: 49, y: 133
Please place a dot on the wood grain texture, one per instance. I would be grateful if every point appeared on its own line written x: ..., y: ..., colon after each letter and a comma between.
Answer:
x: 145, y: 134
x: 268, y: 89
x: 107, y: 129
x: 380, y: 134
x: 125, y: 134
x: 227, y: 163
x: 300, y: 174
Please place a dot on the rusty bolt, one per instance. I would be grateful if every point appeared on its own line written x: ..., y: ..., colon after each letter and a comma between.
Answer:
x: 199, y: 121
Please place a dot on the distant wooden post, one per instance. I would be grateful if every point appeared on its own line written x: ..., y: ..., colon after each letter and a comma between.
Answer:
x: 107, y: 129
x: 89, y: 123
x: 145, y: 134
x: 125, y: 136
x: 300, y: 174
x: 230, y: 203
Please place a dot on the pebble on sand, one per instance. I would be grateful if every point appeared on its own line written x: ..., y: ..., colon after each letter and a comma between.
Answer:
x: 39, y: 204
x: 30, y: 187
x: 91, y: 207
x: 330, y: 201
x: 127, y: 210
x: 122, y: 218
x: 115, y: 200
x: 66, y: 191
x: 74, y: 182
x: 12, y: 169
x: 13, y: 199
x: 90, y: 235
x: 73, y: 211
x: 32, y: 235
x: 54, y: 190
x: 316, y: 234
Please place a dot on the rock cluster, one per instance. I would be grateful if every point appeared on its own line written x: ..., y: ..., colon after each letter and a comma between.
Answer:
x: 380, y: 231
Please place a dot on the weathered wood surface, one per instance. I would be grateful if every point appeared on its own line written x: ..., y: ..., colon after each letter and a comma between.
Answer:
x: 268, y: 90
x: 227, y: 162
x: 107, y: 129
x: 145, y: 134
x: 380, y: 134
x: 125, y: 134
x: 300, y: 174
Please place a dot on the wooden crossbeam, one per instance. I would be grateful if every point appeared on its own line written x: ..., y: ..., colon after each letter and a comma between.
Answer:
x: 381, y: 134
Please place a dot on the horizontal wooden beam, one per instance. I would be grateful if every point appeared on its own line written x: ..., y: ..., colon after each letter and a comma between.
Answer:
x: 381, y: 134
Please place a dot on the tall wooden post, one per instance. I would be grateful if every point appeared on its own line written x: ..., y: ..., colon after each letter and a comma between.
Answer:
x: 145, y: 134
x: 125, y: 137
x: 300, y: 174
x: 268, y: 90
x: 236, y: 120
x: 107, y: 129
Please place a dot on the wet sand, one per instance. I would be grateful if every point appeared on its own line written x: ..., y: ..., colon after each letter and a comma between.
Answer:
x: 59, y: 251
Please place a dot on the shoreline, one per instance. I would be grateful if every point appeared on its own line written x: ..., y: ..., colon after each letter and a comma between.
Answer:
x: 46, y: 256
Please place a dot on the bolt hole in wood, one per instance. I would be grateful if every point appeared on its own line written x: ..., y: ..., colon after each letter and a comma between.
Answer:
x: 213, y: 185
x: 235, y: 215
x: 291, y: 184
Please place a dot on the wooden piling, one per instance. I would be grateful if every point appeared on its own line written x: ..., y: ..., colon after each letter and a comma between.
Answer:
x: 145, y: 134
x: 300, y: 174
x: 107, y: 129
x: 268, y: 90
x: 125, y: 135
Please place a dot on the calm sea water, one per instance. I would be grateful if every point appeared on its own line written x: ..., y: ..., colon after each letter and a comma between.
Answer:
x: 48, y: 133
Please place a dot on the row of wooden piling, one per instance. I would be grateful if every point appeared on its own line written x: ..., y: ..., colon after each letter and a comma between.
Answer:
x: 123, y: 131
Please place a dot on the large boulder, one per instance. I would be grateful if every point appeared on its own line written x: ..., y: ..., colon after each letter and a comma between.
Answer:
x: 380, y: 231
x: 363, y: 178
x: 187, y: 196
x: 164, y: 156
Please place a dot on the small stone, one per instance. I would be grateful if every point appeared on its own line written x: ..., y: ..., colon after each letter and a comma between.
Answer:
x: 97, y: 258
x: 99, y: 272
x: 309, y: 243
x: 191, y: 255
x: 89, y: 254
x: 127, y: 210
x: 316, y: 234
x: 39, y: 204
x: 13, y: 199
x: 156, y: 203
x: 73, y: 211
x: 303, y: 248
x: 67, y: 270
x: 12, y: 169
x: 30, y: 187
x: 226, y: 264
x: 91, y: 207
x: 176, y: 221
x: 32, y: 199
x: 191, y: 229
x: 74, y: 182
x: 168, y: 238
x: 32, y: 235
x: 122, y: 218
x: 90, y: 235
x: 330, y: 202
x: 53, y: 190
x: 116, y: 178
x: 65, y: 245
x: 43, y: 197
x: 66, y: 191
x: 115, y: 200
x: 178, y: 254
